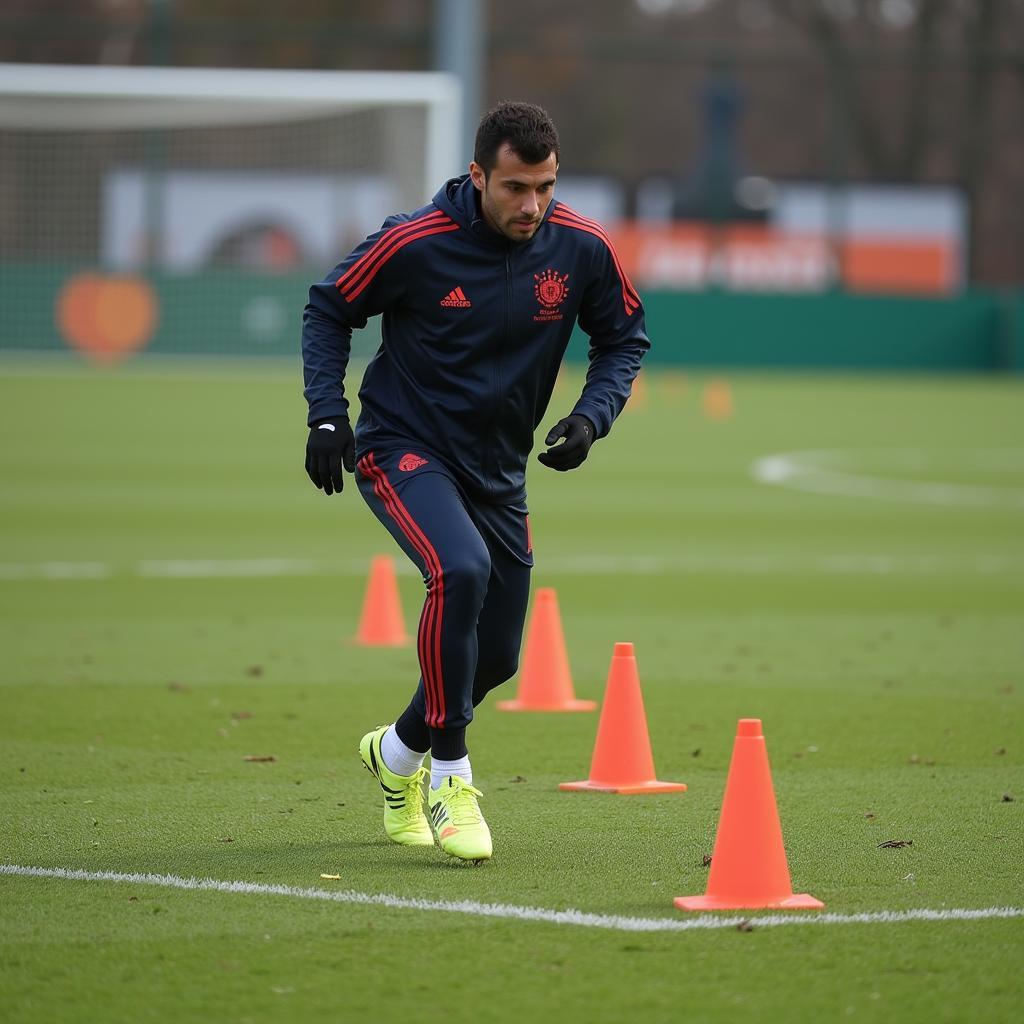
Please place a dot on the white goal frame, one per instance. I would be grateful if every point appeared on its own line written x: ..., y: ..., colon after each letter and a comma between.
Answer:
x: 128, y: 98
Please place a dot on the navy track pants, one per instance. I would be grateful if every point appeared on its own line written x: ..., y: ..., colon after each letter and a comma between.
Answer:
x: 475, y: 559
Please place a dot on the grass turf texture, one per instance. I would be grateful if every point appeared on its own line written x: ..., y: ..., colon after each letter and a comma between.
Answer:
x: 890, y: 692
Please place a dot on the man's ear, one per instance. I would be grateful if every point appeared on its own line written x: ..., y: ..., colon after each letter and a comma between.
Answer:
x: 478, y: 174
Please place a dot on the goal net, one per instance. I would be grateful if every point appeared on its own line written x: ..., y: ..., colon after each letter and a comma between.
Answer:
x: 183, y: 210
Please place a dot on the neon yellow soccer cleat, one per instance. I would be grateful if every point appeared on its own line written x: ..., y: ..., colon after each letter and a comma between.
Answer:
x: 404, y: 820
x: 455, y: 815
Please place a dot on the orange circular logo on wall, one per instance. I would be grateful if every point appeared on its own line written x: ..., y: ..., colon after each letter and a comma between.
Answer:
x: 107, y: 316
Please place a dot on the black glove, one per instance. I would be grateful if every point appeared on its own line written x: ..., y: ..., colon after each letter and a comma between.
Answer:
x: 578, y: 432
x: 330, y: 446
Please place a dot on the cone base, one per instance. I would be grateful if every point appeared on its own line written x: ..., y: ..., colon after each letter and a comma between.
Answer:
x: 569, y: 705
x: 801, y: 901
x: 652, y: 786
x: 398, y: 641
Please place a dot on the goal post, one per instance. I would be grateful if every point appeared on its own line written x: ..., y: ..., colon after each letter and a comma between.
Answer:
x: 187, y: 209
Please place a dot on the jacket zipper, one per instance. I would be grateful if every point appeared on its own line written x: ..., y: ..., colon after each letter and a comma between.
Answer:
x: 496, y: 378
x: 507, y: 337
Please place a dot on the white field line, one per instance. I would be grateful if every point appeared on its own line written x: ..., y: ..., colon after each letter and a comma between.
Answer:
x: 224, y: 568
x: 55, y: 570
x: 583, y: 565
x: 577, y: 918
x: 811, y: 471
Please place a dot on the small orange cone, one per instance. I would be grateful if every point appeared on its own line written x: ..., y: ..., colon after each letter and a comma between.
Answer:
x: 381, y: 623
x: 622, y: 761
x: 637, y: 394
x: 545, y: 683
x: 716, y: 402
x: 748, y: 868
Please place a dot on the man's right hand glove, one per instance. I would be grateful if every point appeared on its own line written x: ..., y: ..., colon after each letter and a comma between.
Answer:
x: 330, y: 446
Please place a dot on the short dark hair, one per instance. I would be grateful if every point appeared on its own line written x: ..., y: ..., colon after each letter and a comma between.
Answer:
x: 528, y: 130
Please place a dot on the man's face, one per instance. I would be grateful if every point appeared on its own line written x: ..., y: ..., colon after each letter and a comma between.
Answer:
x: 515, y: 196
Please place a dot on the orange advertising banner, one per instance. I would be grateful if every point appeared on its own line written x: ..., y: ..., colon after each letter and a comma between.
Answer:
x: 687, y: 256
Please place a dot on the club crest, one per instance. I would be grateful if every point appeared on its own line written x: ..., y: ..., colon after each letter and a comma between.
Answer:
x: 550, y: 290
x: 409, y: 462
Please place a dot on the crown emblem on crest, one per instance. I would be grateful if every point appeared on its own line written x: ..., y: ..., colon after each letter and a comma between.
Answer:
x: 550, y: 288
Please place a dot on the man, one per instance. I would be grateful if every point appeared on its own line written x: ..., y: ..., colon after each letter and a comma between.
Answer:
x: 479, y: 292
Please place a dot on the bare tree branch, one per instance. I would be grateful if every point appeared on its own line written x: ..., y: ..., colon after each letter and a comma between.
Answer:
x: 915, y: 132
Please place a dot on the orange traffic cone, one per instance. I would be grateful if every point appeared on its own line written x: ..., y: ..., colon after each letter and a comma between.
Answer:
x: 638, y: 394
x: 544, y: 682
x: 381, y: 623
x: 716, y: 402
x: 622, y: 761
x: 748, y: 868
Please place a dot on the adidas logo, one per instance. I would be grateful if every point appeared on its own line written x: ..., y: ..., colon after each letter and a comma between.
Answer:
x: 457, y: 298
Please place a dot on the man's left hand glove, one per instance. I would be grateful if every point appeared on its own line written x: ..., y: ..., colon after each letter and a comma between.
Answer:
x: 578, y: 432
x: 330, y: 446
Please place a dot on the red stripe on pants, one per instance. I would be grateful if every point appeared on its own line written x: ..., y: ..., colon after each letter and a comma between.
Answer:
x: 428, y: 638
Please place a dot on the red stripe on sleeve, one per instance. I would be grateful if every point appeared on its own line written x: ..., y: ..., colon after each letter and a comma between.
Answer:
x: 566, y: 211
x: 386, y: 254
x: 357, y: 268
x: 568, y: 218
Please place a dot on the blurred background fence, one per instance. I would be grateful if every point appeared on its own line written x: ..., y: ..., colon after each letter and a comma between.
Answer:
x: 789, y: 182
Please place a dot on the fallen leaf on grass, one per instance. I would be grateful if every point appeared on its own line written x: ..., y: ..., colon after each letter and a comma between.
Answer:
x: 177, y: 687
x: 241, y: 714
x: 254, y: 671
x: 261, y: 758
x: 895, y: 844
x: 518, y: 778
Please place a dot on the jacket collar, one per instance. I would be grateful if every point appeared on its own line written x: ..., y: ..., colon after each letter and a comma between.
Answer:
x: 459, y: 199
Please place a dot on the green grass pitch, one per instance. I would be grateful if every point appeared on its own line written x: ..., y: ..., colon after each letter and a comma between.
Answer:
x: 176, y: 598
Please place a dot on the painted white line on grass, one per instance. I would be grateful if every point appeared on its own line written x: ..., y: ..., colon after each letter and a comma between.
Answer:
x: 225, y: 568
x: 826, y: 472
x: 54, y: 570
x: 577, y: 918
x: 856, y: 564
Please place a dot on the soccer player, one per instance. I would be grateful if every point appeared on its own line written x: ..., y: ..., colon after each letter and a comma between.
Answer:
x: 479, y: 291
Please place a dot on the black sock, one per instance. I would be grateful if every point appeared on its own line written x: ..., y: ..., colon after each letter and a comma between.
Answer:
x: 448, y: 744
x: 412, y: 730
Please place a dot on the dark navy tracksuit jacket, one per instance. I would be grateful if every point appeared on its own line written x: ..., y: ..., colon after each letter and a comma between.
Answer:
x: 474, y: 330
